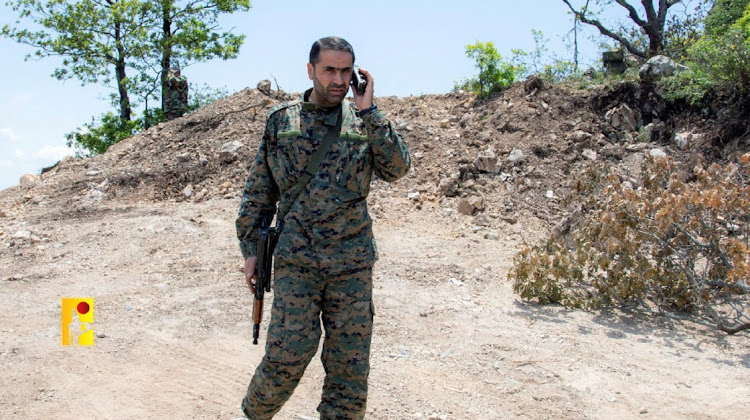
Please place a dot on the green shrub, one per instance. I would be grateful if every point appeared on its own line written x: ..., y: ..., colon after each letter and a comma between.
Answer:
x: 495, y: 73
x: 678, y: 248
x: 724, y: 58
x: 94, y: 139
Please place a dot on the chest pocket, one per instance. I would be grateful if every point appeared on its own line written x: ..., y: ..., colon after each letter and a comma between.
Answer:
x: 289, y: 157
x: 354, y: 168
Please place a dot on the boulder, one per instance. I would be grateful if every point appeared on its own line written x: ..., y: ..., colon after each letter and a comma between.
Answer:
x: 264, y: 86
x: 228, y: 152
x: 28, y: 179
x: 658, y: 67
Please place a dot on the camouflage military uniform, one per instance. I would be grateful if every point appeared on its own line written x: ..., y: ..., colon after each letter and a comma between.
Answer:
x: 175, y: 96
x: 324, y: 257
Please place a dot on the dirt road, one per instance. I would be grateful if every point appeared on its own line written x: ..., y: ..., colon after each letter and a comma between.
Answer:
x: 452, y: 341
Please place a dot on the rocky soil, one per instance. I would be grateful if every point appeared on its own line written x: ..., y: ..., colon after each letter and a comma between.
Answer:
x: 147, y: 230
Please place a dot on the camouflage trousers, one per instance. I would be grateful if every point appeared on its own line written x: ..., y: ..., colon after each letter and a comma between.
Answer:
x: 303, y: 296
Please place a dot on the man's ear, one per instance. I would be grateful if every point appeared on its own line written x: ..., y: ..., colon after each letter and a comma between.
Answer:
x: 310, y: 70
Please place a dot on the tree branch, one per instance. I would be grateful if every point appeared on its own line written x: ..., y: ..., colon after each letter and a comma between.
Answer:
x: 606, y: 32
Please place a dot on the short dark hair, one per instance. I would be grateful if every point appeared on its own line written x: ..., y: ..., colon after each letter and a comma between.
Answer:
x: 329, y: 43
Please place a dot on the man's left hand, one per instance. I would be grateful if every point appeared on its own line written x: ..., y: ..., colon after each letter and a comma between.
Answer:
x: 364, y: 100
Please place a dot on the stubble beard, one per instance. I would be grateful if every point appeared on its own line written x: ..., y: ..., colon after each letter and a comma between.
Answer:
x: 327, y: 98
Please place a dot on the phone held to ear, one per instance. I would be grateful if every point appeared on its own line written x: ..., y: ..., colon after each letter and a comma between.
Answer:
x: 358, y: 81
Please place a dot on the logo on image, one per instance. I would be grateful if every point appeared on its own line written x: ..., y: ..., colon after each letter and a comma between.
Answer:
x: 78, y: 321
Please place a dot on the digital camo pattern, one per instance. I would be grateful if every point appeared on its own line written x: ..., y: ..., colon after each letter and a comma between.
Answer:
x: 324, y: 257
x: 300, y: 295
x: 176, y: 96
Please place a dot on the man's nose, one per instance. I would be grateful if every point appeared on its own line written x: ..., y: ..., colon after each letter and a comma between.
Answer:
x: 339, y: 78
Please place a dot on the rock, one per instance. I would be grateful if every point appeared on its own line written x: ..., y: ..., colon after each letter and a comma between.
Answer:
x: 101, y: 335
x: 264, y: 86
x: 465, y: 120
x: 682, y: 140
x: 645, y: 134
x: 492, y: 236
x: 589, y: 154
x: 477, y: 202
x: 228, y: 152
x: 579, y: 136
x: 413, y: 196
x: 93, y: 173
x: 532, y: 83
x: 449, y: 187
x: 445, y: 123
x: 28, y: 179
x: 465, y: 207
x: 482, y: 220
x: 516, y: 155
x: 486, y: 161
x: 188, y: 191
x: 623, y: 118
x: 414, y: 112
x: 22, y: 234
x: 658, y: 67
x: 183, y: 157
x: 15, y: 277
x: 550, y: 194
x: 614, y: 61
x: 657, y: 154
x: 643, y: 411
x: 225, y: 187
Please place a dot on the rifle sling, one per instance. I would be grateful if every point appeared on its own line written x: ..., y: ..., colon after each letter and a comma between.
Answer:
x: 310, y: 170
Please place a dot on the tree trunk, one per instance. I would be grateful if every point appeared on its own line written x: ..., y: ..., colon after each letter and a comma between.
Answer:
x: 166, y: 42
x: 125, y: 111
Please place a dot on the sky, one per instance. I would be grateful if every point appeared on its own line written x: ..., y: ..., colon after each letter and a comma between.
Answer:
x: 411, y: 47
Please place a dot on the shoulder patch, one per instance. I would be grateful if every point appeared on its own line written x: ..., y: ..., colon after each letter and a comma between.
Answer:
x: 279, y: 107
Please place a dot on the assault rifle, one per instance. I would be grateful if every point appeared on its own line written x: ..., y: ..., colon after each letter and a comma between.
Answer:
x: 267, y: 237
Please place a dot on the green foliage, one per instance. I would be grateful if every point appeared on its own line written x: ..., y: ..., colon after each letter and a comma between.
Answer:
x: 691, y: 86
x: 495, y: 73
x: 724, y: 14
x: 678, y: 248
x: 725, y: 58
x: 721, y: 58
x: 204, y: 95
x: 142, y: 38
x: 94, y: 139
x: 538, y: 61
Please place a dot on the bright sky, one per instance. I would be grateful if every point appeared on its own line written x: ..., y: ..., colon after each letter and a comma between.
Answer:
x: 412, y: 47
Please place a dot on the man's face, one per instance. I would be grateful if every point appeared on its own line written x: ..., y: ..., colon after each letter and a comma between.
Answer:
x: 331, y: 76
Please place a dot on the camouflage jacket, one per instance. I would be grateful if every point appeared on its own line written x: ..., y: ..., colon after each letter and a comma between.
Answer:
x: 331, y: 211
x: 176, y: 92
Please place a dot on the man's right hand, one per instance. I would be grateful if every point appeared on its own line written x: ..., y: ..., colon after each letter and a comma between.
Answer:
x: 250, y: 273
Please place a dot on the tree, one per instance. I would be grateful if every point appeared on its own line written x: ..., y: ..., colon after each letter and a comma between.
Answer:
x: 188, y: 31
x: 96, y: 38
x: 724, y: 14
x: 92, y: 37
x: 650, y: 23
x: 495, y: 73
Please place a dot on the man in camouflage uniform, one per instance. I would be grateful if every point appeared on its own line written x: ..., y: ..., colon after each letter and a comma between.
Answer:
x: 324, y: 257
x: 175, y: 99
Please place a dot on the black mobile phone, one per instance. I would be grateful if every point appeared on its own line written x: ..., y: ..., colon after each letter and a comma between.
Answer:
x: 358, y: 81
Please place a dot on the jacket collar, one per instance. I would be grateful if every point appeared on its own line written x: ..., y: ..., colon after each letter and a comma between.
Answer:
x: 327, y: 115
